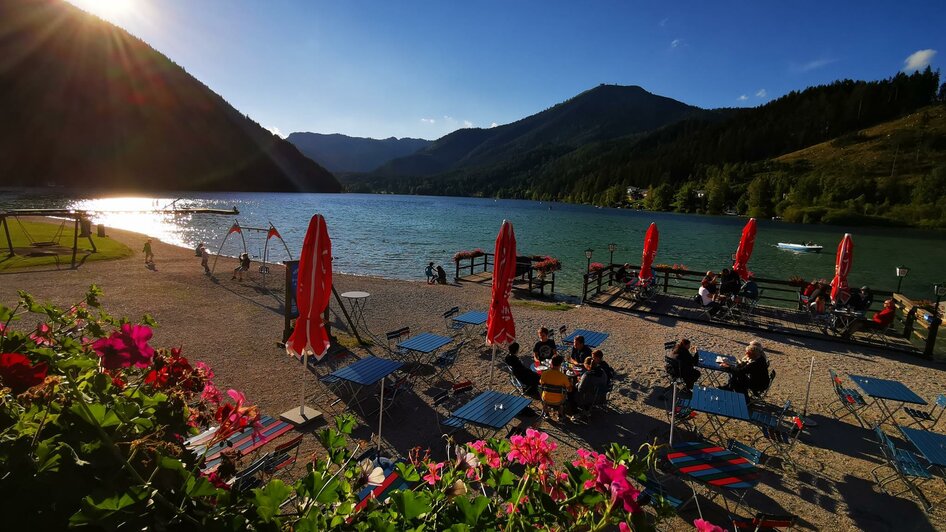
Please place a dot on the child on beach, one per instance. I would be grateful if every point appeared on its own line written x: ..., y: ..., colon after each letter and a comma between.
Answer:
x: 430, y: 273
x: 441, y: 275
x: 244, y: 266
x: 149, y: 255
x: 204, y: 257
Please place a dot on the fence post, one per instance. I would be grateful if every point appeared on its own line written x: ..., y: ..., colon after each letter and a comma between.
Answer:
x: 456, y: 275
x: 610, y: 273
x: 584, y: 287
x: 599, y: 282
x: 666, y: 281
x: 553, y: 284
x: 908, y: 322
x: 931, y: 338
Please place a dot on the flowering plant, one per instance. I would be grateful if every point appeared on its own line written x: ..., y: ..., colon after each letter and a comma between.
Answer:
x: 547, y: 264
x: 460, y: 255
x: 595, y: 267
x: 798, y: 281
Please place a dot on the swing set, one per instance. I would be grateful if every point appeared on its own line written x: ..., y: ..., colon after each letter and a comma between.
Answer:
x: 80, y: 219
x: 271, y: 232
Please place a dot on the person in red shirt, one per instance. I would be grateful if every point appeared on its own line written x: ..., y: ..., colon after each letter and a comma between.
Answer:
x: 881, y: 320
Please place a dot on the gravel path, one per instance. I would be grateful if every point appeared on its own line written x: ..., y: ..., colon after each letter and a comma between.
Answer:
x: 235, y: 328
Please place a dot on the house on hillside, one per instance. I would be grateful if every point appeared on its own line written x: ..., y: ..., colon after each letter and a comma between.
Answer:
x: 636, y: 193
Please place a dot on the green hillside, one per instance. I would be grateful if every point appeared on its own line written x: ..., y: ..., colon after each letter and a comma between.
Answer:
x: 85, y: 104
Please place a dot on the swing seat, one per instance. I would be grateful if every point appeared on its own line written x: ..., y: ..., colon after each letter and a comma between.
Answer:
x: 44, y: 244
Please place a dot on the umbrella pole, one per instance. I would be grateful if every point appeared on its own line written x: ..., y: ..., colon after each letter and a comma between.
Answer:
x: 673, y: 411
x: 804, y: 415
x: 492, y: 362
x: 380, y: 416
x: 305, y: 366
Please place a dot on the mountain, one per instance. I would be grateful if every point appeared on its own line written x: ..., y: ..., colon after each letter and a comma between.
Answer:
x: 604, y: 112
x: 86, y: 104
x: 344, y: 154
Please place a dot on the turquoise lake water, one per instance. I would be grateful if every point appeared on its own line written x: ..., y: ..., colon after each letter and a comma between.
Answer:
x: 395, y: 236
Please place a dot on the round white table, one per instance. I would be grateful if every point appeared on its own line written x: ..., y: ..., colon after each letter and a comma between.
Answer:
x: 357, y: 300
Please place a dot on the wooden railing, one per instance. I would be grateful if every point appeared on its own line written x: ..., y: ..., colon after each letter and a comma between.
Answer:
x: 533, y: 278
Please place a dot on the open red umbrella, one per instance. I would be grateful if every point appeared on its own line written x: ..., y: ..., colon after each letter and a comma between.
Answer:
x: 741, y: 264
x: 500, y: 326
x: 842, y: 267
x: 313, y: 290
x: 651, y: 239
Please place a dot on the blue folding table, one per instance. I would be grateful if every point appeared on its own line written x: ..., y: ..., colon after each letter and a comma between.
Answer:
x: 362, y: 374
x: 719, y: 404
x: 884, y: 390
x: 469, y: 322
x: 490, y: 411
x: 931, y: 445
x: 707, y: 360
x: 592, y: 338
x: 423, y: 344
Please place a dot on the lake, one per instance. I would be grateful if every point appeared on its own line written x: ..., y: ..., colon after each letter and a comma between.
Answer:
x: 395, y: 236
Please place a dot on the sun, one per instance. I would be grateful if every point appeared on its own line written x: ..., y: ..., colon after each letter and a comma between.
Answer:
x: 111, y: 10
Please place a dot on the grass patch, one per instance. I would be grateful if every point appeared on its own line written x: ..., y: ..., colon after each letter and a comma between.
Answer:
x: 349, y: 341
x: 555, y: 307
x: 24, y: 233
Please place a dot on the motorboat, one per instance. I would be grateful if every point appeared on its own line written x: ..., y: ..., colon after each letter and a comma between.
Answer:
x: 801, y: 248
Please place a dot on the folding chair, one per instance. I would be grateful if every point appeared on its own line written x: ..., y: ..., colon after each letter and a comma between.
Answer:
x: 906, y: 467
x: 558, y: 406
x: 759, y: 397
x: 445, y: 403
x: 746, y: 451
x: 880, y: 335
x: 282, y: 456
x: 449, y: 322
x: 394, y: 337
x: 684, y: 415
x: 921, y: 417
x: 763, y: 522
x: 673, y: 376
x: 781, y: 437
x: 563, y: 347
x: 749, y: 307
x: 249, y: 477
x: 849, y: 399
x: 446, y: 360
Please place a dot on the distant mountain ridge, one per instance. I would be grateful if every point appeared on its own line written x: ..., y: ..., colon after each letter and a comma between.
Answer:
x: 343, y: 154
x: 602, y: 113
x: 86, y: 104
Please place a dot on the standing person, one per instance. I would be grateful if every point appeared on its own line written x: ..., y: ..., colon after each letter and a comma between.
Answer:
x: 544, y: 349
x: 441, y: 275
x: 204, y: 257
x: 149, y: 255
x: 244, y: 266
x: 429, y: 270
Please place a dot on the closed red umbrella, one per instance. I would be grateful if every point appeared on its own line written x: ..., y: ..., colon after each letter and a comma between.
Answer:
x: 842, y: 267
x: 651, y: 239
x: 313, y: 290
x: 746, y: 242
x: 500, y: 326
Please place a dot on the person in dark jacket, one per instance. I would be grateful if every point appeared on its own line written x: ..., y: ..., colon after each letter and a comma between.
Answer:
x: 729, y: 282
x: 441, y: 275
x: 528, y: 378
x: 592, y: 387
x: 681, y: 363
x: 751, y: 374
x: 598, y: 356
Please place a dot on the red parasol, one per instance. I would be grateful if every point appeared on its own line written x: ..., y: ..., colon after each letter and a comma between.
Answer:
x: 741, y: 264
x: 500, y: 326
x: 651, y: 239
x: 842, y: 267
x: 313, y: 290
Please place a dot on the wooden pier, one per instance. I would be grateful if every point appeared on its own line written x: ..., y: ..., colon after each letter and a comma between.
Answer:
x: 479, y: 270
x: 777, y: 312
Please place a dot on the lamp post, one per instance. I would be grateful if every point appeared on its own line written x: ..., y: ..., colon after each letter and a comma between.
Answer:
x: 612, y: 247
x: 588, y: 253
x: 902, y: 272
x: 940, y: 290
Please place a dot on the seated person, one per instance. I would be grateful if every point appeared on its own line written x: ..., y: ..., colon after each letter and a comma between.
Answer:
x: 592, y: 388
x: 441, y: 275
x: 528, y: 378
x: 750, y: 290
x: 709, y: 282
x: 751, y: 373
x: 729, y: 282
x: 861, y: 299
x: 544, y: 349
x: 683, y: 365
x: 881, y: 320
x: 621, y: 274
x: 598, y: 356
x: 554, y: 377
x: 580, y: 351
x: 708, y: 301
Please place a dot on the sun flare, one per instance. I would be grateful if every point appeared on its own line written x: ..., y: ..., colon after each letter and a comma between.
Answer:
x: 108, y: 9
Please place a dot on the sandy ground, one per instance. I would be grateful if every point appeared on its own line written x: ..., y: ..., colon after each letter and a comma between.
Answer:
x: 235, y: 328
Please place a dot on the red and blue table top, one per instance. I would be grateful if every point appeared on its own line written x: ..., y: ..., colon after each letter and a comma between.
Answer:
x: 714, y: 465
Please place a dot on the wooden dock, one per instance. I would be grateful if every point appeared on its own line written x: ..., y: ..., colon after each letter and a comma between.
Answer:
x: 767, y: 319
x: 518, y: 283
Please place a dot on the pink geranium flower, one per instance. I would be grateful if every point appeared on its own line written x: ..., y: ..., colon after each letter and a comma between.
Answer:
x: 532, y: 449
x: 490, y: 458
x: 126, y: 347
x: 43, y: 335
x: 433, y: 472
x: 705, y: 526
x: 211, y: 394
x: 612, y: 479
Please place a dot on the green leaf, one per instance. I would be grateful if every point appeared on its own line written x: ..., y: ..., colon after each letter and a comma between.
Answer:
x: 6, y: 314
x: 78, y: 362
x: 200, y: 487
x: 148, y: 320
x: 100, y: 415
x: 471, y: 510
x: 407, y: 471
x: 507, y: 478
x: 345, y: 423
x: 269, y: 497
x: 92, y: 296
x: 48, y: 456
x: 411, y: 505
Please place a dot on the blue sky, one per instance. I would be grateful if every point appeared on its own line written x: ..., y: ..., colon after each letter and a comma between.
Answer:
x: 425, y: 68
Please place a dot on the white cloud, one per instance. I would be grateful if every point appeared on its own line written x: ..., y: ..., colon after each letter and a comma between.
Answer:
x: 761, y: 93
x: 467, y: 123
x: 814, y: 64
x: 676, y: 43
x: 742, y: 98
x: 918, y: 60
x: 664, y: 21
x: 275, y: 131
x: 494, y: 124
x: 428, y: 120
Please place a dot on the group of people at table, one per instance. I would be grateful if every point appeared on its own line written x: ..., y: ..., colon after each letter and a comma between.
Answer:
x: 816, y: 296
x: 719, y: 292
x: 584, y: 375
x: 749, y: 374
